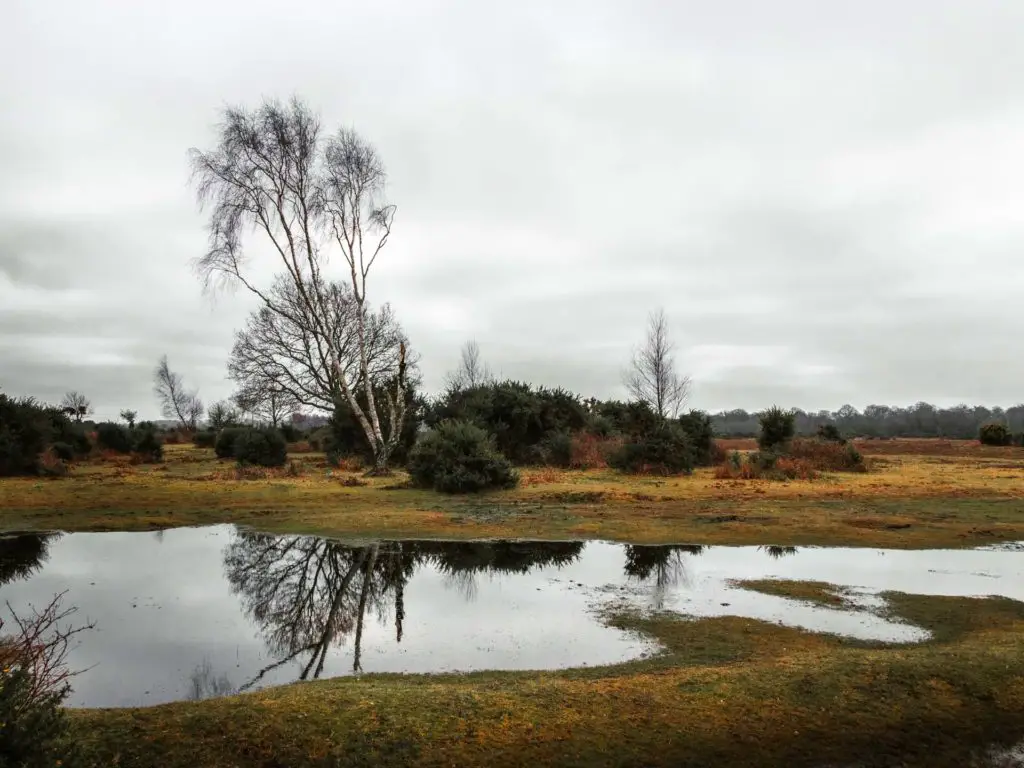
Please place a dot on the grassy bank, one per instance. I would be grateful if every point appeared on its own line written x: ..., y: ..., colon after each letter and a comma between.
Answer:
x: 726, y: 692
x: 905, y: 501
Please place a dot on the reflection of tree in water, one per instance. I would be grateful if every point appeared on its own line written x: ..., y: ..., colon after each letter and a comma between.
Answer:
x: 462, y: 562
x: 204, y: 684
x: 22, y: 554
x: 306, y: 594
x: 775, y: 552
x: 662, y: 566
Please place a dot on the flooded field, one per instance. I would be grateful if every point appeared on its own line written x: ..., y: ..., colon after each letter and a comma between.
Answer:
x: 192, y: 613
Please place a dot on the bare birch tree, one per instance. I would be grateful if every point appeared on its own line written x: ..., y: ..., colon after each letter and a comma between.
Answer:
x: 176, y: 402
x: 652, y: 377
x: 472, y: 370
x: 273, y: 171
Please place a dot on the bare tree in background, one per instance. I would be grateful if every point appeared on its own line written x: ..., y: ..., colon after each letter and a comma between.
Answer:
x: 130, y: 416
x: 652, y: 377
x: 76, y: 405
x: 220, y: 415
x: 272, y: 171
x: 472, y: 370
x: 175, y: 401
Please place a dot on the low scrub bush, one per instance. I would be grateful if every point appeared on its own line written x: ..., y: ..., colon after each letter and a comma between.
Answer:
x: 113, y: 437
x: 666, y: 450
x: 556, y: 450
x: 764, y: 465
x: 831, y: 433
x: 262, y: 447
x: 826, y: 455
x: 591, y: 451
x: 63, y: 451
x: 206, y: 438
x: 26, y: 428
x: 697, y: 426
x: 994, y: 434
x: 1018, y: 439
x: 224, y: 446
x: 148, y: 447
x: 777, y: 429
x: 459, y: 457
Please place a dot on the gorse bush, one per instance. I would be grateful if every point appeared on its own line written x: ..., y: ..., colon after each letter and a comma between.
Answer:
x: 994, y: 434
x: 63, y: 451
x: 113, y: 437
x: 521, y: 418
x: 224, y: 446
x: 263, y: 447
x: 665, y: 450
x: 830, y: 432
x: 826, y: 455
x: 697, y: 426
x: 556, y: 450
x: 148, y: 446
x: 206, y: 438
x: 777, y: 428
x: 27, y: 429
x: 459, y: 457
x: 33, y: 726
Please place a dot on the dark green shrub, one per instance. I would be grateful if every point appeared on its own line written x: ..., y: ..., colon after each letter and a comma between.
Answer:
x: 556, y: 450
x: 113, y: 437
x: 33, y: 727
x: 63, y: 451
x: 290, y: 433
x: 26, y: 428
x: 777, y: 429
x: 459, y: 457
x: 629, y: 419
x: 67, y: 431
x: 831, y: 433
x: 1018, y: 439
x: 224, y: 446
x: 206, y: 438
x: 520, y: 417
x: 994, y: 433
x: 148, y: 445
x: 663, y: 451
x: 264, y: 447
x: 698, y: 428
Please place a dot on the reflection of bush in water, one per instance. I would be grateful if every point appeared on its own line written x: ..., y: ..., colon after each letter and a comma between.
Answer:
x: 500, y: 556
x: 22, y: 554
x: 775, y: 552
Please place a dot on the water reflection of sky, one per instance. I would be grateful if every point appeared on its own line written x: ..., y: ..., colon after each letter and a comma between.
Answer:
x: 190, y: 613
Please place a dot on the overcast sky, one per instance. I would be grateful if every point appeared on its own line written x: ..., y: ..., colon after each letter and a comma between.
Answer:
x: 826, y: 198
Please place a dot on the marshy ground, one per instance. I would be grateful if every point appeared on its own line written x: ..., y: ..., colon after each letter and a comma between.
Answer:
x: 725, y: 691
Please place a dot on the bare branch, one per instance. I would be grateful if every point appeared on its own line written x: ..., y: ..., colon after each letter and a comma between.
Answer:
x: 76, y: 405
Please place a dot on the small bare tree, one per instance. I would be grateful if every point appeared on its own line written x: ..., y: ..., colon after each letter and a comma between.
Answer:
x: 76, y: 405
x: 175, y: 401
x: 39, y: 645
x: 652, y: 376
x: 472, y: 371
x: 220, y: 415
x: 129, y: 416
x: 272, y: 171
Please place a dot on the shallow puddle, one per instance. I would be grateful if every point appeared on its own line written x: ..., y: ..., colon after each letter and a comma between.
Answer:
x: 190, y: 613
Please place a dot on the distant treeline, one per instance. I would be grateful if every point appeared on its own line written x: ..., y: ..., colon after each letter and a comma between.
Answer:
x: 880, y: 421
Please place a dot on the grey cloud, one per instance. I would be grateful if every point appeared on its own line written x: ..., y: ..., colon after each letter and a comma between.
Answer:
x: 821, y: 196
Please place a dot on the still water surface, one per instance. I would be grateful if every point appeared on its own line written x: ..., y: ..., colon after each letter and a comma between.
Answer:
x: 190, y: 613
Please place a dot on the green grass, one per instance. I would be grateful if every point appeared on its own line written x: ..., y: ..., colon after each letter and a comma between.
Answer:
x: 726, y: 692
